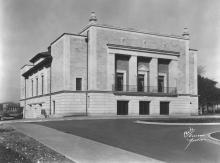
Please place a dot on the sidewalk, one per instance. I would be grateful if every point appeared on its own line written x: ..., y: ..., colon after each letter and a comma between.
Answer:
x: 77, y: 148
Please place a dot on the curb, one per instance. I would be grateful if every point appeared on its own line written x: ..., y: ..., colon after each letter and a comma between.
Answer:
x: 118, y: 117
x: 176, y: 124
x: 212, y: 139
x: 83, y: 118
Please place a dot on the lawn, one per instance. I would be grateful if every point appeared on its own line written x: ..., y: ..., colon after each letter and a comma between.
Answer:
x: 164, y: 143
x: 17, y: 147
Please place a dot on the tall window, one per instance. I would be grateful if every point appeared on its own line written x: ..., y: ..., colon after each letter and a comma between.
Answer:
x: 140, y: 82
x: 36, y: 86
x: 78, y: 84
x: 32, y: 87
x: 54, y: 107
x: 119, y: 81
x: 42, y: 85
x: 160, y: 83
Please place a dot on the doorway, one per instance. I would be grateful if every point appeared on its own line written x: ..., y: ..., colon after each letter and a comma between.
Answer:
x: 164, y: 108
x: 144, y: 107
x: 122, y: 107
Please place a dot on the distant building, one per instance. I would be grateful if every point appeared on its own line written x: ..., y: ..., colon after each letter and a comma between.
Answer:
x: 10, y: 107
x: 106, y: 70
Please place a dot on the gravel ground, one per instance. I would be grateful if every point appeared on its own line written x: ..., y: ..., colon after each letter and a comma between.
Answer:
x: 17, y: 147
x: 8, y: 155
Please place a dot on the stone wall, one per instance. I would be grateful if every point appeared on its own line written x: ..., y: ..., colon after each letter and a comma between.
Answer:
x: 35, y: 105
x: 102, y: 103
x: 78, y: 61
x: 72, y: 103
x: 69, y: 103
x: 65, y: 104
x: 57, y: 66
x: 106, y: 104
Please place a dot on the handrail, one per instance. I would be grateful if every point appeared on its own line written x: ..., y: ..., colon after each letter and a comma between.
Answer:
x: 144, y: 89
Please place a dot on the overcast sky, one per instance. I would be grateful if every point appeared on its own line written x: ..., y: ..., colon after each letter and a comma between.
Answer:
x: 29, y: 26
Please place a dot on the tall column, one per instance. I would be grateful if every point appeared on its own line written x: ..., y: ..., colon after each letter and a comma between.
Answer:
x: 22, y: 85
x: 132, y: 73
x: 153, y: 74
x: 110, y: 71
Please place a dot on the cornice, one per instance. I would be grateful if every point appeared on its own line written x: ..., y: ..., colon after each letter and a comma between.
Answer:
x: 46, y: 61
x: 26, y: 65
x: 140, y: 49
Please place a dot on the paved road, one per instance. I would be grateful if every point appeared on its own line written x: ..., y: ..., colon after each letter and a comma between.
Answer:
x: 164, y: 143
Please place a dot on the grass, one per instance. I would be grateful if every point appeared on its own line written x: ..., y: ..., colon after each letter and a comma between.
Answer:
x: 17, y: 147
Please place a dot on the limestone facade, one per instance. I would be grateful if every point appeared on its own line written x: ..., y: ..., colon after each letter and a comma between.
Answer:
x: 109, y: 71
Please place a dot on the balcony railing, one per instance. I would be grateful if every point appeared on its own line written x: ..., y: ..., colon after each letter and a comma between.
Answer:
x: 146, y: 89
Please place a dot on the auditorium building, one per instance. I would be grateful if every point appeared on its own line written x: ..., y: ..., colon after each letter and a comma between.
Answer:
x: 111, y: 71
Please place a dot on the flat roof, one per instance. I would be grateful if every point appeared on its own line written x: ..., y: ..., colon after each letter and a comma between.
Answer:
x: 131, y: 30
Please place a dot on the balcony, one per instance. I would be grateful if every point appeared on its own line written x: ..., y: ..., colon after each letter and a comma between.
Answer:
x: 144, y: 90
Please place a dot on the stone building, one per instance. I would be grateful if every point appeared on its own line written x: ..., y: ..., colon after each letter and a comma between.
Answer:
x: 106, y: 70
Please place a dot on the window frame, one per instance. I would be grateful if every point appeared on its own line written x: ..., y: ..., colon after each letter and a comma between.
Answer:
x: 32, y: 87
x: 36, y: 86
x: 79, y: 87
x: 42, y: 84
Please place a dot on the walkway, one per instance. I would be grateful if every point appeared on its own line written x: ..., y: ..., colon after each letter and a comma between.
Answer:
x: 77, y: 148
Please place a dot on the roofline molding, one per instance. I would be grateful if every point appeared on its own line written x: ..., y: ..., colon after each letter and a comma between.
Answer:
x: 71, y: 34
x: 39, y: 55
x: 46, y: 61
